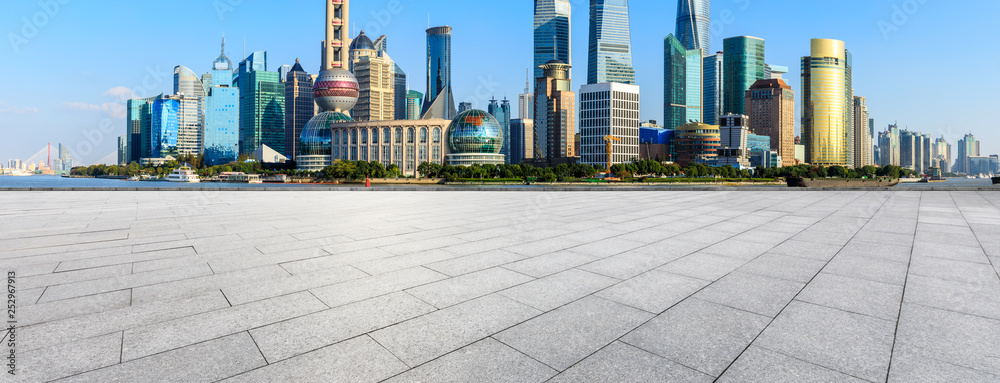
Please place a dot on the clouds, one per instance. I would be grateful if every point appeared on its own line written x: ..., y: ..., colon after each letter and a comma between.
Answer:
x: 120, y: 93
x: 6, y: 108
x: 114, y: 110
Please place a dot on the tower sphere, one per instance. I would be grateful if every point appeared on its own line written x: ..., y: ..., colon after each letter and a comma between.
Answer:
x: 336, y: 90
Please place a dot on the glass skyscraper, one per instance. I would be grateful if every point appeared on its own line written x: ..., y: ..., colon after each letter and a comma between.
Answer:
x: 262, y: 106
x: 222, y: 114
x: 164, y: 127
x: 712, y: 100
x: 413, y: 100
x: 299, y: 106
x: 682, y: 82
x: 610, y: 55
x: 399, y: 92
x: 552, y: 33
x: 827, y: 116
x: 743, y: 65
x: 502, y: 113
x: 694, y: 24
x: 139, y: 112
x: 439, y: 100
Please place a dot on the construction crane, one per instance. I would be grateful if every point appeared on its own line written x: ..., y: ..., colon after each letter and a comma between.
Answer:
x: 607, y: 144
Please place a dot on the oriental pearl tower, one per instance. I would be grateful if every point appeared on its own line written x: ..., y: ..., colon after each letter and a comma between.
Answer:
x: 336, y: 88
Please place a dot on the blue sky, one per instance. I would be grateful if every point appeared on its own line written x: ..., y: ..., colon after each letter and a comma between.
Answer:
x: 931, y: 65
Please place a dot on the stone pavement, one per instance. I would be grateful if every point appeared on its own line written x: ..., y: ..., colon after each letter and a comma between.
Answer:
x: 202, y: 286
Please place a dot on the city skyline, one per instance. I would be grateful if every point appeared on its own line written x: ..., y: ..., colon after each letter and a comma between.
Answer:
x: 32, y: 118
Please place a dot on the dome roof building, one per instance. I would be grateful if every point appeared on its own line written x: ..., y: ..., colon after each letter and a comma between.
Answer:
x: 315, y: 141
x: 474, y: 137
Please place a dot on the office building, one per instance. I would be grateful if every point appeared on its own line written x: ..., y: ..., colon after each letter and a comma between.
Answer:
x: 413, y: 102
x: 770, y: 105
x: 733, y: 147
x: 775, y: 72
x: 697, y: 143
x: 827, y: 110
x: 609, y: 58
x: 609, y: 109
x: 987, y: 166
x: 911, y: 150
x: 164, y: 127
x: 712, y: 91
x: 283, y: 72
x: 299, y: 106
x: 463, y: 106
x: 682, y: 82
x: 552, y: 33
x: 743, y: 65
x: 192, y: 128
x: 694, y: 24
x: 522, y: 140
x: 439, y: 102
x: 889, y: 143
x: 262, y: 105
x: 968, y: 146
x: 942, y: 154
x: 66, y: 160
x: 501, y: 111
x: 555, y: 113
x: 222, y: 113
x: 376, y: 82
x: 526, y: 101
x: 862, y: 136
x: 399, y: 91
x: 927, y: 151
x: 405, y: 144
x: 138, y: 115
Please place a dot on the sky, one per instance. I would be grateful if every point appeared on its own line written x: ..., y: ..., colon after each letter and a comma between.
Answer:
x: 68, y: 65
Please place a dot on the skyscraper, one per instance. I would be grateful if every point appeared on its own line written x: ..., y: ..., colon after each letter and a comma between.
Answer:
x: 376, y: 81
x: 66, y: 160
x: 771, y: 108
x: 743, y: 66
x: 439, y: 101
x: 222, y: 113
x: 826, y: 124
x: 262, y: 106
x: 164, y: 127
x: 122, y: 152
x: 610, y: 54
x: 186, y: 82
x: 682, y: 82
x: 713, y: 77
x: 522, y: 140
x: 139, y: 112
x: 555, y: 112
x: 399, y: 92
x: 552, y: 33
x: 968, y: 146
x: 526, y: 101
x: 413, y: 100
x: 862, y: 137
x: 694, y: 24
x: 192, y: 128
x: 299, y: 106
x: 501, y: 111
x: 609, y: 109
x: 463, y: 106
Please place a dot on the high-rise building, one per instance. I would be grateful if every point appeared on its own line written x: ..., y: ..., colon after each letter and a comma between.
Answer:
x: 399, y: 92
x: 522, y: 140
x: 413, y: 101
x: 526, y: 101
x: 283, y: 72
x: 743, y: 66
x: 694, y: 24
x: 122, y: 152
x: 712, y: 91
x: 941, y: 154
x: 439, y: 102
x: 164, y: 127
x: 609, y: 109
x: 682, y: 82
x: 139, y: 112
x: 262, y: 105
x: 734, y: 134
x: 376, y: 81
x: 968, y: 146
x: 192, y: 128
x: 299, y: 106
x: 862, y: 136
x: 610, y: 54
x: 463, y: 106
x: 889, y: 143
x: 186, y: 82
x: 552, y: 33
x: 555, y: 112
x: 66, y: 160
x: 911, y: 150
x: 501, y: 111
x: 222, y: 113
x: 827, y: 114
x: 775, y: 72
x: 770, y: 105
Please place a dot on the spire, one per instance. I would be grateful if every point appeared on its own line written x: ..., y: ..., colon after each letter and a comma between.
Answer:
x: 527, y: 80
x: 223, y: 44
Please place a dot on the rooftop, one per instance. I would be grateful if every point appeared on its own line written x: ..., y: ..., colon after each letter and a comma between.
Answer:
x: 513, y: 286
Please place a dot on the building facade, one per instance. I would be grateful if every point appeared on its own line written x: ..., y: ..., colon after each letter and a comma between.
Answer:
x: 552, y: 33
x: 299, y: 106
x: 375, y: 73
x: 405, y: 144
x: 609, y: 109
x: 770, y: 105
x: 164, y: 127
x: 262, y: 105
x: 122, y: 152
x: 863, y: 155
x: 501, y: 111
x: 743, y: 66
x: 734, y: 134
x: 697, y: 143
x: 682, y: 82
x: 968, y: 146
x: 827, y: 123
x: 413, y: 102
x: 439, y: 102
x: 139, y: 112
x: 474, y: 137
x: 712, y: 88
x: 555, y: 113
x: 222, y: 113
x: 609, y: 58
x: 694, y: 24
x: 522, y: 140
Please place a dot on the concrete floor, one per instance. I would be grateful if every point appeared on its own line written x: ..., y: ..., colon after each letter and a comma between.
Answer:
x: 504, y: 286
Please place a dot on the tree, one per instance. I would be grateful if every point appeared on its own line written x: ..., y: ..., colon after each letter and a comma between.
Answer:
x: 837, y: 171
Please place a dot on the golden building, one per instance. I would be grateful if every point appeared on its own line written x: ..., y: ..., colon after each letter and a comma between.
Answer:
x: 827, y: 104
x: 376, y: 82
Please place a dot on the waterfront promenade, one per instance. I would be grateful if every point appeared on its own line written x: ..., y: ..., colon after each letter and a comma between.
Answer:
x: 465, y: 286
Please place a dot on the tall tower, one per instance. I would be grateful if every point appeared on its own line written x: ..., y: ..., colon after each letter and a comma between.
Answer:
x: 682, y: 82
x: 336, y: 88
x: 694, y: 24
x: 552, y: 33
x: 743, y: 65
x: 526, y: 100
x: 439, y: 102
x: 555, y: 111
x: 610, y: 56
x: 826, y: 128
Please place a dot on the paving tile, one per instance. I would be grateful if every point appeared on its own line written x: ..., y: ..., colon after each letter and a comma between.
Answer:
x: 198, y: 285
x: 709, y: 267
x: 203, y: 362
x: 976, y: 298
x: 122, y: 282
x: 466, y: 287
x: 549, y: 264
x: 424, y: 338
x: 699, y: 334
x: 954, y: 251
x: 405, y: 261
x: 808, y: 249
x: 654, y: 291
x: 476, y: 262
x: 542, y: 247
x: 871, y: 269
x: 786, y: 267
x: 958, y: 271
x: 619, y: 362
x: 274, y: 287
x: 89, y: 263
x: 548, y: 293
x: 46, y: 312
x: 322, y: 262
x: 738, y: 249
x: 760, y: 365
x: 297, y: 336
x: 849, y: 343
x: 50, y: 363
x: 169, y: 335
x: 880, y: 251
x: 485, y: 361
x: 369, y: 287
x: 751, y: 292
x: 960, y: 339
x: 566, y: 335
x: 877, y: 299
x: 57, y: 278
x: 911, y: 366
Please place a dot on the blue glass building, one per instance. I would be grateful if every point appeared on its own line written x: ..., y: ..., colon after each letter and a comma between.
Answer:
x: 262, y: 105
x: 222, y: 114
x: 439, y: 100
x: 139, y: 112
x: 552, y: 33
x: 164, y: 127
x: 694, y: 24
x: 682, y: 82
x: 712, y: 100
x: 743, y: 66
x: 501, y: 111
x: 610, y: 54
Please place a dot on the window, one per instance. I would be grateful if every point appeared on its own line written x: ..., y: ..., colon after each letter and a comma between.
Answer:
x: 409, y: 135
x: 436, y: 136
x: 423, y: 135
x: 386, y: 139
x: 399, y: 136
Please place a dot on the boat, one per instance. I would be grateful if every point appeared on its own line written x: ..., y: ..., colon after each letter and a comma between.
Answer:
x: 933, y: 175
x: 240, y: 178
x: 841, y: 182
x: 183, y: 174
